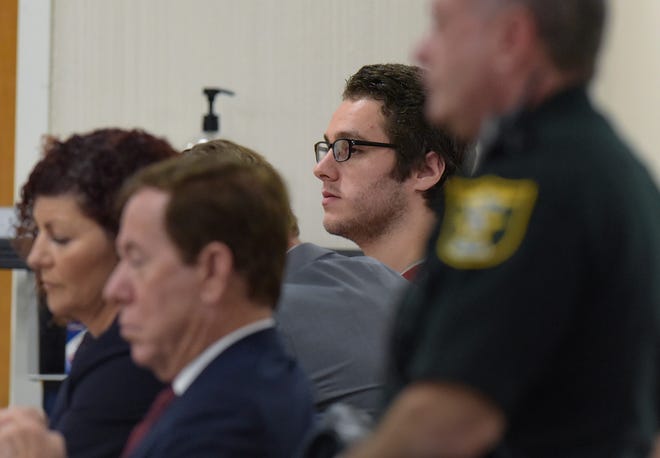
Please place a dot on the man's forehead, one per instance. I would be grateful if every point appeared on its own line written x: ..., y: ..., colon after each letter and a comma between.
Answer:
x: 146, y: 202
x: 357, y: 119
x: 143, y: 213
x: 365, y: 105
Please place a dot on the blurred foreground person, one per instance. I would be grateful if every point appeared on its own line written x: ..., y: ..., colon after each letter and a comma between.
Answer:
x: 535, y: 333
x: 67, y: 218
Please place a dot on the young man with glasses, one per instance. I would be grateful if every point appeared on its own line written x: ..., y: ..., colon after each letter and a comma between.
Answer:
x: 382, y: 180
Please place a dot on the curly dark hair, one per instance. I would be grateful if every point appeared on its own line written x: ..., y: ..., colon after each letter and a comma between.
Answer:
x: 92, y: 167
x: 401, y: 90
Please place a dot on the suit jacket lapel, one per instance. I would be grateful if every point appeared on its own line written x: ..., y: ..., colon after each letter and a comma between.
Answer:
x: 229, y: 360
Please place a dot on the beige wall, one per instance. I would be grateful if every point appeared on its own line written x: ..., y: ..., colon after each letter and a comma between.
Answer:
x: 628, y: 86
x: 144, y: 62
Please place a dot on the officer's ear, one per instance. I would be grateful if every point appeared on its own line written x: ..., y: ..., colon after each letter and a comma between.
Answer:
x: 429, y: 173
x: 516, y: 40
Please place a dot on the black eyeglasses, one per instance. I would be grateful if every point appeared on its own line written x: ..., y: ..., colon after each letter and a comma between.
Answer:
x: 342, y: 148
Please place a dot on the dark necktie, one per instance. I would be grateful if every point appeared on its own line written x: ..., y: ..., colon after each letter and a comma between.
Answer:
x: 139, y: 432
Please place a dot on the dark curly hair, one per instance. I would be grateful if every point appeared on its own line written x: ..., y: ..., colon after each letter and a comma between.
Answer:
x: 401, y: 90
x: 92, y: 167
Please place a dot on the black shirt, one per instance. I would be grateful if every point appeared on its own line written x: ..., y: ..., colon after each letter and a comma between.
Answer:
x: 543, y: 288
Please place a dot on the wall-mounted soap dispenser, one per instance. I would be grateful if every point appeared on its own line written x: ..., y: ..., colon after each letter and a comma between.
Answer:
x: 210, y: 121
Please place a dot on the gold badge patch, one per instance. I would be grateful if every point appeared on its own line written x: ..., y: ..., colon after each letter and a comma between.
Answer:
x: 485, y: 220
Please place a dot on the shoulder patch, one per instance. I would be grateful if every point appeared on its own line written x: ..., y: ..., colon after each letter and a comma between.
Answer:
x: 485, y: 220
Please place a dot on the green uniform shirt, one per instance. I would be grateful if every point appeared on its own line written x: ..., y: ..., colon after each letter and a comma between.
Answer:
x: 543, y: 288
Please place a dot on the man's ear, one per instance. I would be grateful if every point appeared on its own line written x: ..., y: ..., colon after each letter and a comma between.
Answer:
x: 215, y: 264
x: 430, y: 172
x: 516, y: 40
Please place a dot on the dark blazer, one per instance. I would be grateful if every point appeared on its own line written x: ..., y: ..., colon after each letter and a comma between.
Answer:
x: 251, y: 401
x: 334, y: 315
x: 104, y: 396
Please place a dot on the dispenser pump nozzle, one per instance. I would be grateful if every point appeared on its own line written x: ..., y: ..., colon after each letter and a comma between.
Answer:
x: 211, y: 120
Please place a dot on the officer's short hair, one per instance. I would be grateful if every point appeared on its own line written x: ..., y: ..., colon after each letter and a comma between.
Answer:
x: 571, y: 30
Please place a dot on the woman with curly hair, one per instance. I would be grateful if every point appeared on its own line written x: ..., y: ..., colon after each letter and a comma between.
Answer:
x: 68, y: 217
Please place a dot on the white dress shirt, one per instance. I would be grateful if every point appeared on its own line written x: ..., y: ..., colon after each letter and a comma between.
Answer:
x: 188, y: 374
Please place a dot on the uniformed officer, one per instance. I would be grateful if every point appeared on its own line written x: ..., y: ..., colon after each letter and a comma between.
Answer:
x: 534, y: 334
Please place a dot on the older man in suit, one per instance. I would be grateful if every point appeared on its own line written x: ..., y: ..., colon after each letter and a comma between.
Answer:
x: 199, y: 276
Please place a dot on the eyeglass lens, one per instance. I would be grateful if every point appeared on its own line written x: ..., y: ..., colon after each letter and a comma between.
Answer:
x: 341, y: 149
x: 321, y: 149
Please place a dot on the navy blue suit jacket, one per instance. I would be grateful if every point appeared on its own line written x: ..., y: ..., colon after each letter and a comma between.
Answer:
x: 105, y: 395
x: 251, y: 401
